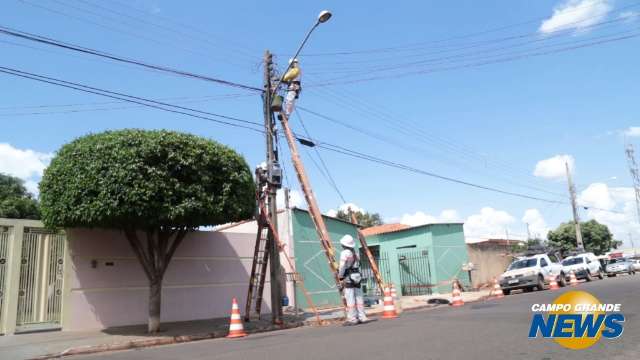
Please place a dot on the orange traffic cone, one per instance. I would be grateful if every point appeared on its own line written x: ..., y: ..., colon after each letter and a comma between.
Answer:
x: 573, y: 280
x: 236, y: 330
x: 497, y: 290
x: 456, y: 295
x: 389, y: 306
x: 394, y: 294
x: 553, y: 284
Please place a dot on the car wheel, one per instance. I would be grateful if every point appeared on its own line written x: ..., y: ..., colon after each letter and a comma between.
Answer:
x: 589, y: 277
x: 506, y: 292
x: 540, y: 284
x: 563, y: 280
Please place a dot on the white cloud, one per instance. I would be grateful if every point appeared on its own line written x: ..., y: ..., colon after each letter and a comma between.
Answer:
x: 633, y: 131
x: 614, y: 207
x: 420, y: 218
x: 295, y: 199
x: 578, y: 15
x: 488, y: 223
x: 597, y: 195
x: 27, y: 165
x: 537, y: 226
x: 554, y: 168
x: 345, y: 208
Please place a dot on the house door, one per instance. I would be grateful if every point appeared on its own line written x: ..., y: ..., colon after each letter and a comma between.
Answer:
x: 40, y: 285
x: 415, y: 275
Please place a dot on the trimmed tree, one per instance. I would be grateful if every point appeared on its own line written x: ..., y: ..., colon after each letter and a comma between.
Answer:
x: 155, y: 186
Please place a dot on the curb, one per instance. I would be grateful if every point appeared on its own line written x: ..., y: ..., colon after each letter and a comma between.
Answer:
x: 144, y: 343
x: 137, y: 344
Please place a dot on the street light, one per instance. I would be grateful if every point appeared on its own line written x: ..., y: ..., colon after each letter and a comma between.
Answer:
x: 323, y: 17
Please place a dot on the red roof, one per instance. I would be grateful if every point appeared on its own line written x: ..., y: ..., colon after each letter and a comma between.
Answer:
x: 385, y: 228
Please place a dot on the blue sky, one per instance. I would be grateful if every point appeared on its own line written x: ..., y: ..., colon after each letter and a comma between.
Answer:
x: 479, y: 93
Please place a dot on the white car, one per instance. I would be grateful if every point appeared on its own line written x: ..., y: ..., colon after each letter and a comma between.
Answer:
x: 531, y: 272
x: 585, y: 266
x: 635, y: 264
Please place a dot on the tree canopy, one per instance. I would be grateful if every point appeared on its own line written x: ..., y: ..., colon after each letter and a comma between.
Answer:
x: 155, y: 186
x: 15, y: 201
x: 145, y: 179
x: 364, y: 219
x: 596, y: 237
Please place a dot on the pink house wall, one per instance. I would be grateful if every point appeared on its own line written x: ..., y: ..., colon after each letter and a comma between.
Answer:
x: 208, y: 270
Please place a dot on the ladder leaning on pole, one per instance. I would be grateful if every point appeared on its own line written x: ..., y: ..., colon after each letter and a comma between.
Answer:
x: 259, y: 265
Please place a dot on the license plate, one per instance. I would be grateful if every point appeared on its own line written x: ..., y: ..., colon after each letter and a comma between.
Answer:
x: 513, y: 281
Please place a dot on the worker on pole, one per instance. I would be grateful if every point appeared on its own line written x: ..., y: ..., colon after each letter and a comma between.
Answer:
x: 351, y: 279
x: 292, y: 79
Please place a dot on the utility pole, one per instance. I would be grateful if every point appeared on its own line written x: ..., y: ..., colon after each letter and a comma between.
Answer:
x: 635, y: 176
x: 528, y: 232
x: 275, y: 181
x: 574, y: 206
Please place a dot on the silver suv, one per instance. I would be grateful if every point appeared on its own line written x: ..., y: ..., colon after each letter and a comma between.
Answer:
x: 619, y: 266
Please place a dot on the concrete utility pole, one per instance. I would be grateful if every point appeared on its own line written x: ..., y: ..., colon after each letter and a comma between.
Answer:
x: 574, y: 206
x: 273, y: 170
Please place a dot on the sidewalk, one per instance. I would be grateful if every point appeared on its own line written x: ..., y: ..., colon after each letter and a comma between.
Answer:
x: 60, y: 343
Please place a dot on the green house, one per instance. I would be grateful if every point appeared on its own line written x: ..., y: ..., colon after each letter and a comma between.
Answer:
x: 420, y: 260
x: 310, y: 259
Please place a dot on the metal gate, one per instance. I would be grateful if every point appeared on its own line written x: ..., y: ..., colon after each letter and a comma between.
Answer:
x: 41, y: 275
x: 415, y: 274
x: 382, y: 260
x: 4, y: 263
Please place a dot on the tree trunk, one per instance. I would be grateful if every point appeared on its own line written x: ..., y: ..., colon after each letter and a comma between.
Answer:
x: 155, y: 304
x: 155, y: 258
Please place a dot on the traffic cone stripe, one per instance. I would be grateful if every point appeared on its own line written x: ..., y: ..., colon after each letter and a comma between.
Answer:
x: 236, y: 329
x: 553, y: 284
x: 497, y: 289
x: 389, y: 307
x: 457, y: 297
x: 574, y: 280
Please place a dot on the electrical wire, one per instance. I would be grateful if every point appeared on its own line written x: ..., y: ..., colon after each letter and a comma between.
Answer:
x: 132, y: 99
x: 330, y: 179
x: 418, y: 45
x: 57, y: 43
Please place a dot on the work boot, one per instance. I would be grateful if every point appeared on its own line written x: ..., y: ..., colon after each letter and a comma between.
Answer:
x: 366, y: 321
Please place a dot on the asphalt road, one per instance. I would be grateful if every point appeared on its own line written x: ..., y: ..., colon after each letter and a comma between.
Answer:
x: 495, y: 329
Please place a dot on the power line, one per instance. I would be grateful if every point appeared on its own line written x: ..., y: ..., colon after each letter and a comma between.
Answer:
x: 329, y: 177
x: 411, y: 47
x: 130, y: 98
x: 409, y: 132
x: 370, y: 158
x: 57, y: 43
x: 342, y: 81
x: 102, y: 17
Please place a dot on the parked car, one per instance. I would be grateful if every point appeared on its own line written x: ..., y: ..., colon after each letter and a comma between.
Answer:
x: 584, y: 266
x: 620, y: 266
x: 635, y: 263
x: 531, y: 272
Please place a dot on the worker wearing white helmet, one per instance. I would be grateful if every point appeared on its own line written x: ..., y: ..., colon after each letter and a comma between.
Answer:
x: 349, y: 274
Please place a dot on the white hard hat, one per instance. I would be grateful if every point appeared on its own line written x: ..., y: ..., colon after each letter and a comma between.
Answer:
x: 348, y: 241
x: 293, y: 60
